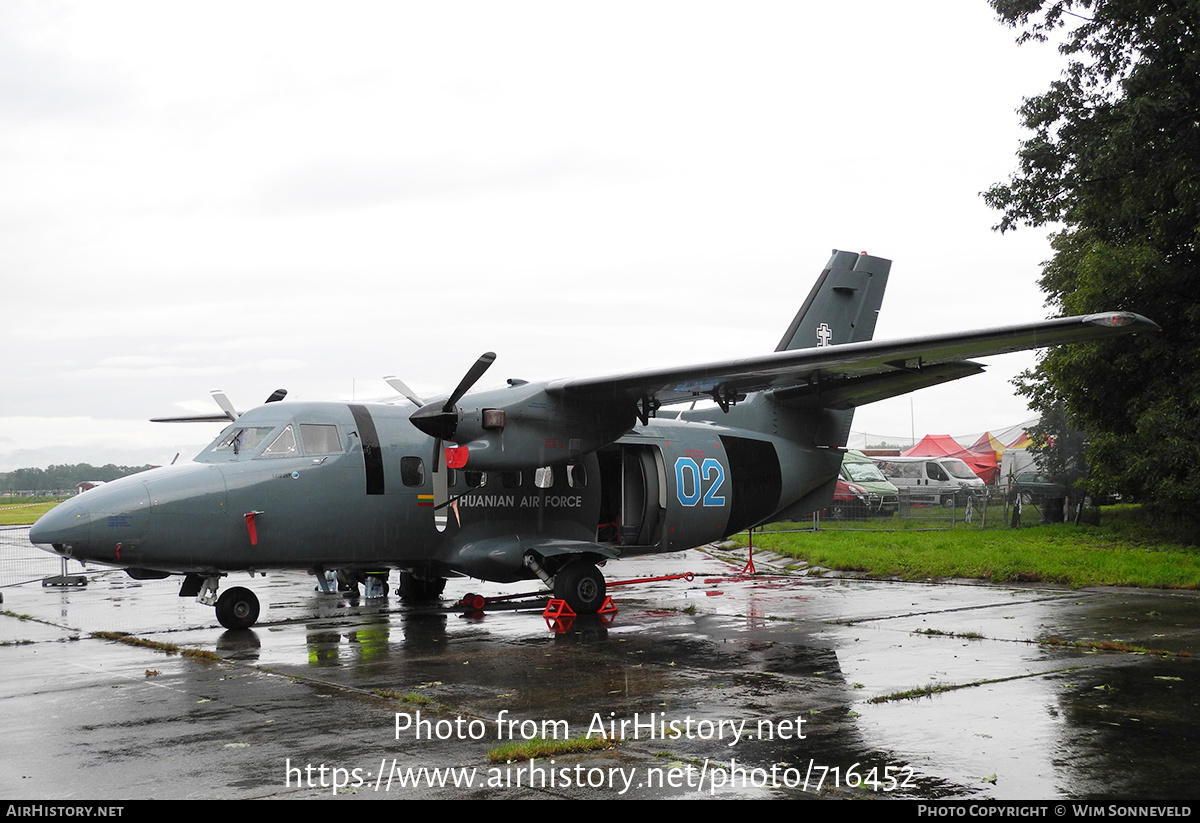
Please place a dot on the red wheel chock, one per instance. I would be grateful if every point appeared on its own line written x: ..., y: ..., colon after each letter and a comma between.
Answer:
x: 557, y: 608
x: 559, y: 616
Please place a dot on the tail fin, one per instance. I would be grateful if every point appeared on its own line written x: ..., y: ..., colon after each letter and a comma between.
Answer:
x: 843, y: 305
x: 841, y: 308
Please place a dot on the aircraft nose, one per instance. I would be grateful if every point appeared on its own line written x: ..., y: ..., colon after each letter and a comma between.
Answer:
x: 68, y: 522
x: 95, y: 524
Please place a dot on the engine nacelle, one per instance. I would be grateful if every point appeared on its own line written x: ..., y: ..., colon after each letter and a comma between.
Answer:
x: 523, y: 425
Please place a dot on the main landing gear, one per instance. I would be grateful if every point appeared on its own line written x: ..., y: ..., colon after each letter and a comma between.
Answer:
x: 420, y: 589
x: 581, y: 584
x: 577, y: 581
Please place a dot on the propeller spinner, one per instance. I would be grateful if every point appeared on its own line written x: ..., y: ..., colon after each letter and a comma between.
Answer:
x: 440, y: 421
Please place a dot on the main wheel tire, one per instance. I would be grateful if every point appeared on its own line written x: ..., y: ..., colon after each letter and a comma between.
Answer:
x: 420, y: 590
x: 237, y: 608
x: 582, y: 585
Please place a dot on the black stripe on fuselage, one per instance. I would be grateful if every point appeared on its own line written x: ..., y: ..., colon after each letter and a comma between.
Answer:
x: 372, y: 451
x: 757, y: 481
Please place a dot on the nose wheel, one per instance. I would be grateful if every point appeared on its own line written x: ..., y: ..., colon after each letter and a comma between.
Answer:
x: 237, y: 608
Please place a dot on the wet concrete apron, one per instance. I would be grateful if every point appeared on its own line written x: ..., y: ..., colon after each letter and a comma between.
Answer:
x: 772, y: 686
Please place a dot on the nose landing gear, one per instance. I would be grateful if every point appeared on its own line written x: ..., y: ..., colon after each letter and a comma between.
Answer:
x: 237, y: 608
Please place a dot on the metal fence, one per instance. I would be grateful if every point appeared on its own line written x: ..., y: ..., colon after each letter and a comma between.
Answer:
x: 22, y: 562
x: 992, y: 510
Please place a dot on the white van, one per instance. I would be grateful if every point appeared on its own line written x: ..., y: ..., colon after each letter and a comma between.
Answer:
x: 932, y: 480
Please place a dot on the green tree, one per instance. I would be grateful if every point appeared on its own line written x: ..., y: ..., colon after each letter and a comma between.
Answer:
x: 1113, y: 164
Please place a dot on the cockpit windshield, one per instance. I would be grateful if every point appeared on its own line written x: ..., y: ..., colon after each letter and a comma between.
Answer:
x: 259, y: 442
x: 236, y: 441
x: 284, y: 445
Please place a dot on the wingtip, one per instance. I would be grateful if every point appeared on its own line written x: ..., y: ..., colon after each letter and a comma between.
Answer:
x: 1121, y: 320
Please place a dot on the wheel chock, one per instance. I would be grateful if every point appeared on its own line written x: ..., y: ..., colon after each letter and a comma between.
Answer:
x: 557, y: 608
x: 559, y: 616
x: 608, y: 607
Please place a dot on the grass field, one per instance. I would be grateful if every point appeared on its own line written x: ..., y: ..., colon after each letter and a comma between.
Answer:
x: 1125, y: 550
x: 21, y: 511
x: 1122, y: 551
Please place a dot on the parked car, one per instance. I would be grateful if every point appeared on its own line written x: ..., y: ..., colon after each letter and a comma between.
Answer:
x: 851, y: 502
x: 860, y: 470
x: 1032, y: 488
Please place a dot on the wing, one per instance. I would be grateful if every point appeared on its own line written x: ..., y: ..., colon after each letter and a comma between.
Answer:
x: 851, y: 374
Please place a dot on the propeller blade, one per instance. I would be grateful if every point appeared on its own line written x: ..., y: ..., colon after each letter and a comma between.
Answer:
x: 441, y: 485
x: 441, y: 422
x: 399, y: 385
x: 276, y: 396
x: 473, y: 374
x: 225, y: 405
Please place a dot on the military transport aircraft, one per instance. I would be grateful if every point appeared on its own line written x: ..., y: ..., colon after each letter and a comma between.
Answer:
x: 542, y: 479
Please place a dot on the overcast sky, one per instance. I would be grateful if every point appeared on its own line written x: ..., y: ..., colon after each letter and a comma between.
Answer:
x: 310, y: 196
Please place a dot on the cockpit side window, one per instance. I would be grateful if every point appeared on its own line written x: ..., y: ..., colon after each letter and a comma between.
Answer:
x: 241, y: 440
x: 320, y: 439
x: 284, y: 445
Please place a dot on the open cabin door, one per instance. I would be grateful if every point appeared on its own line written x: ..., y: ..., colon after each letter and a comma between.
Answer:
x: 634, y: 494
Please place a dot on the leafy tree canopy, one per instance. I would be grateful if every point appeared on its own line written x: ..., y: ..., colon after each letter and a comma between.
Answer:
x: 1113, y: 163
x: 62, y: 477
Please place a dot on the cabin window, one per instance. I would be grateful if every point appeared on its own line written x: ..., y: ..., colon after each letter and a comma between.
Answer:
x: 543, y: 478
x: 284, y: 445
x: 576, y: 476
x: 412, y: 471
x: 475, y: 479
x: 320, y: 439
x: 510, y: 480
